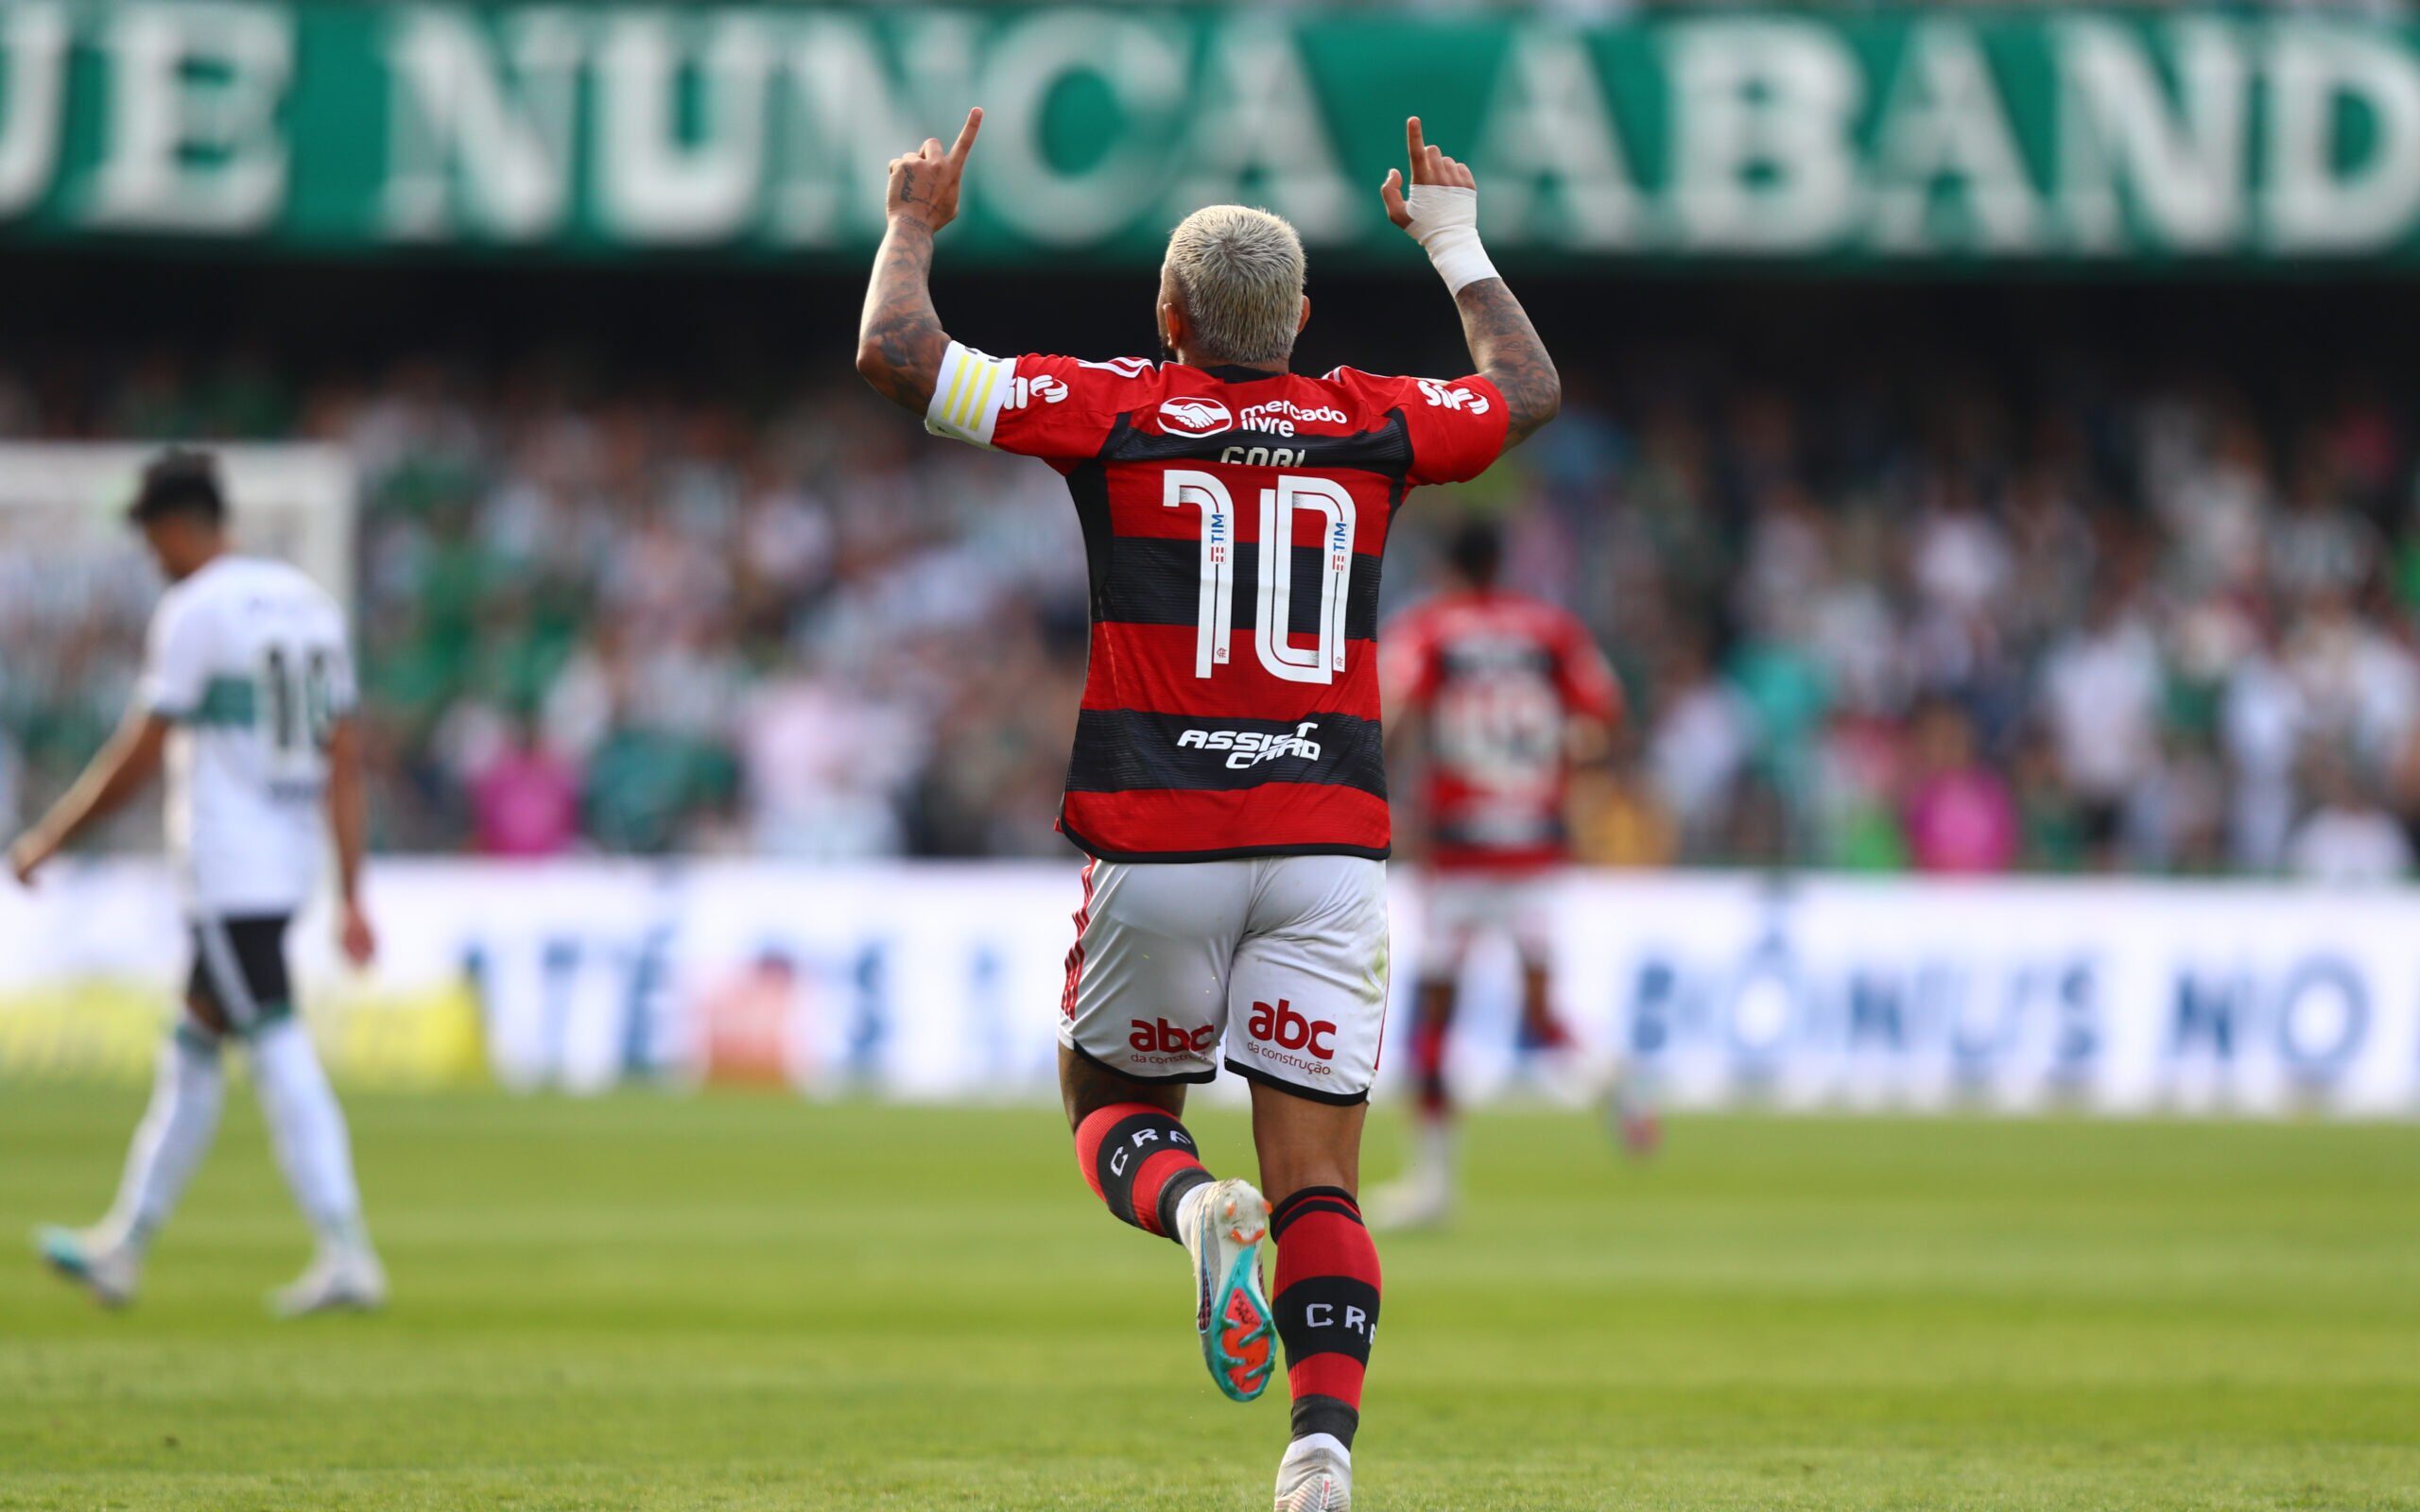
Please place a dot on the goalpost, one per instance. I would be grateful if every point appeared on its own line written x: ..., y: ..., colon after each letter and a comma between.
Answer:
x: 61, y: 507
x: 77, y: 590
x: 83, y: 984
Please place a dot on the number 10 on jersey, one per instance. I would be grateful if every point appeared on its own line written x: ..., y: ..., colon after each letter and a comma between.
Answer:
x: 1273, y: 619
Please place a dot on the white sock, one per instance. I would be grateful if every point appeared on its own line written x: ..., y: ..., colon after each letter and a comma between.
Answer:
x: 313, y: 1146
x: 1311, y: 1444
x: 1187, y: 1207
x: 186, y: 1093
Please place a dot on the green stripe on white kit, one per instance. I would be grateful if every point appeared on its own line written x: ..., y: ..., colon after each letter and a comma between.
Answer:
x: 228, y: 703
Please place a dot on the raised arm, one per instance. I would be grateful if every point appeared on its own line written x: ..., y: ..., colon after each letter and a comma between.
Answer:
x: 1505, y: 351
x: 125, y: 765
x: 900, y: 339
x: 1442, y: 213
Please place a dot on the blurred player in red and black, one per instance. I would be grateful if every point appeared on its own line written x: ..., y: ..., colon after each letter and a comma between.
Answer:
x: 1497, y: 696
x: 1229, y: 775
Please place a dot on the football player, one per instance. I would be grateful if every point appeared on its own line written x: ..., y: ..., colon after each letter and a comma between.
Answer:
x: 1501, y: 694
x: 247, y: 698
x: 1229, y: 778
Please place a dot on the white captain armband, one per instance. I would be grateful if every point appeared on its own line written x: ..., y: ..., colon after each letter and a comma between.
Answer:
x: 967, y: 398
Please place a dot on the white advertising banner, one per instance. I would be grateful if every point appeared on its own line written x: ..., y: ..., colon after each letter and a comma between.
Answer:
x: 943, y: 981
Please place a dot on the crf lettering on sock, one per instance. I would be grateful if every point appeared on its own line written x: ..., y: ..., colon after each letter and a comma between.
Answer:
x: 1140, y: 1162
x: 1327, y: 1303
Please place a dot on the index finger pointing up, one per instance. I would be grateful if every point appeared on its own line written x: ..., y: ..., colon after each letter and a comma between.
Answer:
x: 965, y: 142
x: 1412, y: 144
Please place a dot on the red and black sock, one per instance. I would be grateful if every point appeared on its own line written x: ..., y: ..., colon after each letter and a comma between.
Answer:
x: 1429, y: 1026
x: 1140, y: 1161
x: 1540, y: 1028
x: 1326, y: 1301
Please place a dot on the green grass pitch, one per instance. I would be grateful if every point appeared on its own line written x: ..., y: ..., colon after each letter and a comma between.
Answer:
x: 751, y: 1302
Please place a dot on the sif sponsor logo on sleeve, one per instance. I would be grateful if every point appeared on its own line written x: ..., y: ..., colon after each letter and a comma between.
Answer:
x: 1453, y: 396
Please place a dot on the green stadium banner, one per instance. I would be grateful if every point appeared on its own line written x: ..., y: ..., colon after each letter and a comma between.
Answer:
x: 1925, y: 136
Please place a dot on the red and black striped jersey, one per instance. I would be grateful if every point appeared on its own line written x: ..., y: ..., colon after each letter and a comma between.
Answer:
x: 1231, y: 705
x: 1499, y: 677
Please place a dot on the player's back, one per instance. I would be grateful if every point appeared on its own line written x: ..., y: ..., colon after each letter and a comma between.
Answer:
x: 1234, y: 523
x: 249, y: 658
x: 1501, y: 677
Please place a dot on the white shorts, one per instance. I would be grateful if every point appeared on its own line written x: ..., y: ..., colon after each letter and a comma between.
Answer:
x: 1284, y: 959
x: 1461, y: 907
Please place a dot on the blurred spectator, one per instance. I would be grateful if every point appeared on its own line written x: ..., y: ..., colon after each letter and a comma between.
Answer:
x: 2262, y: 724
x: 1960, y: 818
x: 1701, y: 742
x: 1879, y: 619
x: 2349, y: 839
x: 2101, y: 688
x: 524, y: 797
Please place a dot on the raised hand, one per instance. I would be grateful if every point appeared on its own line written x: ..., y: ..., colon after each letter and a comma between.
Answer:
x: 923, y: 183
x: 1429, y: 165
x: 1440, y: 212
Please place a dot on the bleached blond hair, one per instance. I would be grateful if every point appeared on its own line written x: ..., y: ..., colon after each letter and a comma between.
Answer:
x: 1238, y: 273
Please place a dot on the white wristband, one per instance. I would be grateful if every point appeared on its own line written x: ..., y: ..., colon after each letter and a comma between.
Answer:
x: 1445, y: 220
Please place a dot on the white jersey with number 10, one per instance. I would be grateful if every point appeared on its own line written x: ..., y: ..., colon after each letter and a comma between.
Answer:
x: 248, y: 657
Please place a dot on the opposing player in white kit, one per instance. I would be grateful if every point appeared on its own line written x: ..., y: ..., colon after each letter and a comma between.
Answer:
x: 247, y: 697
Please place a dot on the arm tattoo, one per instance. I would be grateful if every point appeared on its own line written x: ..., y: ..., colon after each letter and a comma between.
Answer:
x: 900, y: 339
x: 1507, y: 352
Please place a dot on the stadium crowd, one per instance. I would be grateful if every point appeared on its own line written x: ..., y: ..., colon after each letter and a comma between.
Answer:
x: 1883, y: 627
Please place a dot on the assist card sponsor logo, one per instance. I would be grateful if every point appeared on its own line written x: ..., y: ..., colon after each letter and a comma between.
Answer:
x: 1247, y: 748
x: 1195, y: 416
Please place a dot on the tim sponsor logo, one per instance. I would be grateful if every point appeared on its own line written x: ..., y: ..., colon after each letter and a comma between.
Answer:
x: 1247, y: 748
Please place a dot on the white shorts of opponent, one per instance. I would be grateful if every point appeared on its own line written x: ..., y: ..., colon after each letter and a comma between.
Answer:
x: 1283, y: 958
x: 1460, y: 908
